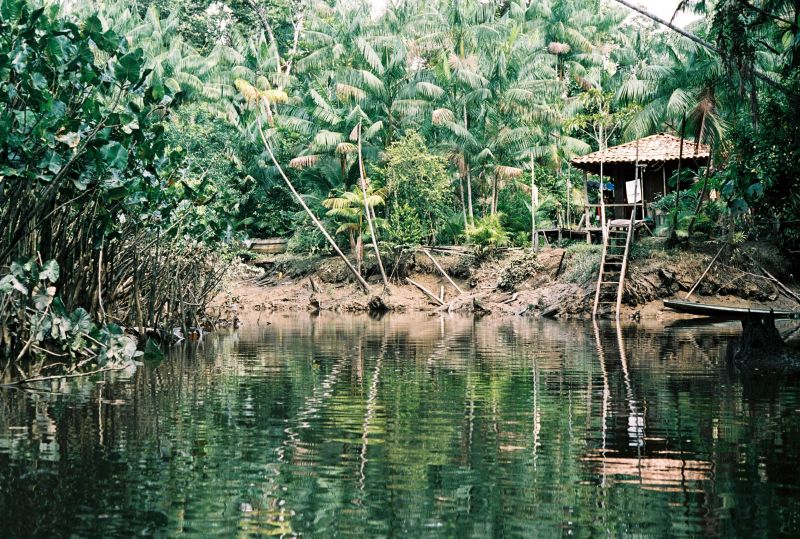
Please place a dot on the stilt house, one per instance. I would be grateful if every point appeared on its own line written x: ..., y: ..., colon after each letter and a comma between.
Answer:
x: 656, y: 156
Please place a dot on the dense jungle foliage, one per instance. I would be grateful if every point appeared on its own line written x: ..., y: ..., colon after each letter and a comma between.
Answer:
x: 142, y: 141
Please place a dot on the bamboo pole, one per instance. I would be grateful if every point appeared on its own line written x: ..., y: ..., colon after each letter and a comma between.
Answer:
x: 426, y: 292
x: 362, y: 283
x: 441, y: 270
x: 362, y: 174
x: 705, y: 272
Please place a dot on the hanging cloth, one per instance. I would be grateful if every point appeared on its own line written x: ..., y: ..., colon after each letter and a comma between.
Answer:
x: 633, y: 191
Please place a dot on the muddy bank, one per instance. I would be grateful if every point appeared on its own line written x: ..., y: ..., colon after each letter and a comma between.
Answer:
x: 555, y: 282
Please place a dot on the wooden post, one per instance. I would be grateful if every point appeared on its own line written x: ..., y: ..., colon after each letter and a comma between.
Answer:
x: 586, y: 207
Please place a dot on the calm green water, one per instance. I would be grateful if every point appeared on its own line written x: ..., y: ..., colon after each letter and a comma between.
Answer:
x: 411, y: 426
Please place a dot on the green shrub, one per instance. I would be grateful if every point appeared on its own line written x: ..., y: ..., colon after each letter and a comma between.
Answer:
x: 487, y: 234
x: 405, y: 226
x: 419, y: 190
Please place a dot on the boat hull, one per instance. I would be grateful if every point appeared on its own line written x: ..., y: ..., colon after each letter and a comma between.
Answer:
x: 721, y: 311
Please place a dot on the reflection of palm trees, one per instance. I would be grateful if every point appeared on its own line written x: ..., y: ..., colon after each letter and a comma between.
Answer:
x: 372, y: 398
x: 537, y: 415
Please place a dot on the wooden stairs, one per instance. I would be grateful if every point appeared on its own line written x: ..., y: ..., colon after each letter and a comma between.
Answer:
x: 617, y: 241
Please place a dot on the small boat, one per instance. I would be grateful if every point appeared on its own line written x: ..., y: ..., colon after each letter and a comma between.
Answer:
x: 721, y: 311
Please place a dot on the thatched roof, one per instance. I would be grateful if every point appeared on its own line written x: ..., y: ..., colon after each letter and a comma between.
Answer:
x: 653, y: 149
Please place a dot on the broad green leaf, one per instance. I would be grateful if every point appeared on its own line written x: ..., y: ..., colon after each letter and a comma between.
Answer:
x: 39, y: 81
x: 115, y: 155
x: 152, y: 352
x: 52, y: 162
x: 49, y: 271
x: 60, y: 48
x: 756, y: 190
x: 128, y: 67
x: 43, y: 297
x: 738, y: 206
x: 81, y: 321
x: 9, y: 283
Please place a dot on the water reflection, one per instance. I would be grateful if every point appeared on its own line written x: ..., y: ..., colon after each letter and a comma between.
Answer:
x: 412, y: 425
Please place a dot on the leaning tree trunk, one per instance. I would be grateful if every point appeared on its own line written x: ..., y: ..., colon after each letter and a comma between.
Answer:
x: 368, y: 213
x: 362, y: 283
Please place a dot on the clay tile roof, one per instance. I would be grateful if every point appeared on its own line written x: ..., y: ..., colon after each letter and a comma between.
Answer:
x: 655, y: 148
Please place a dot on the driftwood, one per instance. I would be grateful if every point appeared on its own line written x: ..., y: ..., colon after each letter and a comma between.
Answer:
x: 426, y: 292
x: 703, y: 276
x: 441, y: 270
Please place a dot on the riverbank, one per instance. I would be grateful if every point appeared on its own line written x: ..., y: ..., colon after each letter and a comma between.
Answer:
x: 556, y: 282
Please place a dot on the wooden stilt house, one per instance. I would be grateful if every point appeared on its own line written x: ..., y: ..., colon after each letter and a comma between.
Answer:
x: 657, y: 158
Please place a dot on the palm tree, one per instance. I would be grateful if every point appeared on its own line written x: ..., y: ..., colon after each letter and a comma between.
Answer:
x: 348, y: 207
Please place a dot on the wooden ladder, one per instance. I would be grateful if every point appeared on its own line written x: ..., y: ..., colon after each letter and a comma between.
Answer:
x: 617, y: 240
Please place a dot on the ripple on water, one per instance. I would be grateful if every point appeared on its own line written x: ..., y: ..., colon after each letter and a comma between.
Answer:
x: 427, y: 427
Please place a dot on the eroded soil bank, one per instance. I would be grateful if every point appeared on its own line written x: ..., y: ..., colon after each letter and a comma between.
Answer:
x: 555, y: 282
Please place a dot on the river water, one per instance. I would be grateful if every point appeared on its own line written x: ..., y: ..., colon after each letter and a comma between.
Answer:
x: 411, y: 426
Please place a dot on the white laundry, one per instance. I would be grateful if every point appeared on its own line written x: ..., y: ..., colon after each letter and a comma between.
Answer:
x: 633, y: 190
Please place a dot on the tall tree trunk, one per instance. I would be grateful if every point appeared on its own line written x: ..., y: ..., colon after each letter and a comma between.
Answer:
x: 463, y: 202
x: 469, y: 196
x: 362, y: 283
x: 534, y: 234
x: 466, y: 166
x: 493, y: 202
x: 674, y: 234
x: 368, y: 213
